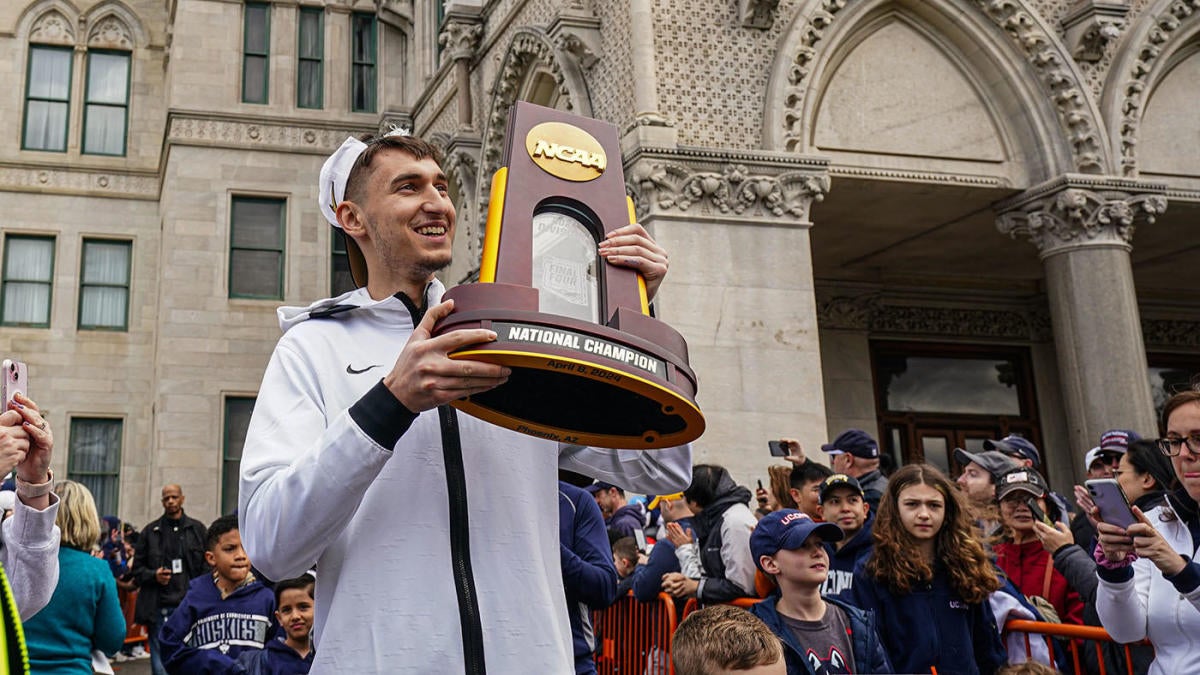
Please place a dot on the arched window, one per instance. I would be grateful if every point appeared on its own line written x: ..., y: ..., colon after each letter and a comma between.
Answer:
x: 48, y: 83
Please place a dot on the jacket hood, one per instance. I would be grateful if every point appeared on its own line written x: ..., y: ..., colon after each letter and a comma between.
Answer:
x: 729, y: 493
x: 357, y: 300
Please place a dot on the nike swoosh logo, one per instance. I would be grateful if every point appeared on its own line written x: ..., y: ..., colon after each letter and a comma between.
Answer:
x: 350, y: 369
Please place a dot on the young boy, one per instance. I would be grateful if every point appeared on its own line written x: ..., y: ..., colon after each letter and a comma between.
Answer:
x: 819, y: 635
x: 724, y: 639
x: 223, y: 614
x: 842, y: 504
x: 292, y: 652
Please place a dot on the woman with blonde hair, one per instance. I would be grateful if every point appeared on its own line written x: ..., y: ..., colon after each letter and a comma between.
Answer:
x: 84, y: 613
x: 929, y: 578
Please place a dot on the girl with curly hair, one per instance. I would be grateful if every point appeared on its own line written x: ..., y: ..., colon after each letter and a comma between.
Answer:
x: 929, y: 578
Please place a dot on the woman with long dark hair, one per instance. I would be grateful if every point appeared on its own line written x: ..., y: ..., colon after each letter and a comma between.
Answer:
x: 929, y: 578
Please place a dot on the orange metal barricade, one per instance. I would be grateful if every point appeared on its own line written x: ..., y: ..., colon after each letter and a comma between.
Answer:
x: 134, y: 633
x: 635, y: 637
x: 1075, y: 634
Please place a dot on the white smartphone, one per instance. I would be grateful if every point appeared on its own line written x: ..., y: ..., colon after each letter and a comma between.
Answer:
x: 1111, y: 500
x: 15, y: 378
x: 640, y: 538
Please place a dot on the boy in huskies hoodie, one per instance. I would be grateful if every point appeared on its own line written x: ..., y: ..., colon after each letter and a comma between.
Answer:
x: 223, y: 614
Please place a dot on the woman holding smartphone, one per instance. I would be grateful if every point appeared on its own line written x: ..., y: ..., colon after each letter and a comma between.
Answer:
x: 1149, y: 583
x: 929, y: 578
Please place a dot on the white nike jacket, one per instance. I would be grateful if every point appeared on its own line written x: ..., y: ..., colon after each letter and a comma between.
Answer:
x: 324, y: 481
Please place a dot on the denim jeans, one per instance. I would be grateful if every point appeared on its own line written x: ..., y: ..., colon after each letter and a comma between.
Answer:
x: 156, y: 663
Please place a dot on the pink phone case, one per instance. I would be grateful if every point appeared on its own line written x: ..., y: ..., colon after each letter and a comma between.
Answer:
x: 1110, y: 499
x: 15, y: 376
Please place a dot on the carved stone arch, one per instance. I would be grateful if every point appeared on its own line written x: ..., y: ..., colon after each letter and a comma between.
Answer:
x: 1001, y: 41
x: 112, y: 25
x: 49, y: 22
x: 530, y: 51
x: 1144, y: 57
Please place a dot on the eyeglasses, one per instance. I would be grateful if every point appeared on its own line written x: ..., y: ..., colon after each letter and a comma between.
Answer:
x: 1172, y: 445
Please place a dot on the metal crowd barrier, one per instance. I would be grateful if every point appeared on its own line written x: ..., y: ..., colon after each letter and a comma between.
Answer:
x: 134, y: 633
x: 635, y: 637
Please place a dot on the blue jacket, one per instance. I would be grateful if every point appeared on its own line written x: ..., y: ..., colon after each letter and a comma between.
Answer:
x: 589, y: 577
x: 931, y: 626
x: 206, y: 634
x: 83, y: 614
x: 627, y: 519
x: 869, y: 655
x: 276, y: 659
x: 647, y: 579
x: 843, y: 562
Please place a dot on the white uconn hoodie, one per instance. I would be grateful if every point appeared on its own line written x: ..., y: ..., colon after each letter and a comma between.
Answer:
x: 317, y: 486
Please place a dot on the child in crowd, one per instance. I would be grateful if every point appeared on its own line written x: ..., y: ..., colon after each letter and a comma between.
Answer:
x: 842, y: 504
x: 223, y: 614
x: 292, y: 652
x: 625, y: 558
x: 819, y: 635
x: 805, y: 480
x: 722, y: 639
x: 928, y: 579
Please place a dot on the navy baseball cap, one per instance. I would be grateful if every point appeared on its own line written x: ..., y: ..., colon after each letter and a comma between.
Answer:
x: 599, y: 486
x: 838, y: 480
x: 855, y: 442
x: 1118, y: 440
x: 1016, y: 446
x: 788, y: 529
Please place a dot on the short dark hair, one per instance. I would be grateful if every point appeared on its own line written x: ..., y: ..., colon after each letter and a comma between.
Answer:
x: 1175, y: 402
x: 705, y: 486
x: 1145, y: 458
x: 808, y: 472
x: 361, y: 171
x: 218, y: 529
x: 304, y: 582
x: 723, y: 638
x: 625, y: 548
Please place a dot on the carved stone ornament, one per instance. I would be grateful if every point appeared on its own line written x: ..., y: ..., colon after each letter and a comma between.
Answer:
x: 1090, y: 25
x: 872, y: 313
x: 52, y: 28
x: 667, y: 185
x: 1165, y: 26
x: 1040, y: 47
x: 110, y: 33
x: 460, y: 38
x: 575, y: 32
x: 1170, y: 333
x: 1067, y: 214
x: 758, y: 13
x: 240, y: 133
x: 79, y: 182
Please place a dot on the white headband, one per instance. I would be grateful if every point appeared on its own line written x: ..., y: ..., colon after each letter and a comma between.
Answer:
x: 336, y: 170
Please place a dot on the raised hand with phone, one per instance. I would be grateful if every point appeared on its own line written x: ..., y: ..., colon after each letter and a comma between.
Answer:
x: 26, y: 440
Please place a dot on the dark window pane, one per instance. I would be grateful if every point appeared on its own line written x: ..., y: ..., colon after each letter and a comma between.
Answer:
x: 310, y: 34
x: 95, y: 459
x: 254, y: 86
x: 237, y: 420
x: 256, y: 273
x: 257, y: 29
x: 363, y: 89
x: 364, y: 39
x: 258, y: 223
x: 308, y: 85
x: 946, y: 385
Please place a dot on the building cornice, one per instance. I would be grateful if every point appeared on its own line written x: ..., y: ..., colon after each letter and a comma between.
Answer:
x: 78, y: 181
x: 257, y: 132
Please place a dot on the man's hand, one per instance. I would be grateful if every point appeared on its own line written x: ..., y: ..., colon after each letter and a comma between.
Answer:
x: 163, y: 576
x: 424, y: 377
x: 795, y: 451
x: 678, y: 535
x: 1148, y: 543
x: 679, y: 586
x: 631, y: 246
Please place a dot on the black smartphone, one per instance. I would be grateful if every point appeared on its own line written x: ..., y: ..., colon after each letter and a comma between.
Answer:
x: 1038, y: 513
x: 760, y: 484
x: 778, y: 449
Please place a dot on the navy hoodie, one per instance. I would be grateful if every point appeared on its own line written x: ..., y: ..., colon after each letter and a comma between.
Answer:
x: 206, y: 634
x: 931, y: 626
x: 869, y: 655
x: 589, y: 577
x: 647, y: 579
x: 627, y: 519
x: 843, y: 562
x: 276, y: 659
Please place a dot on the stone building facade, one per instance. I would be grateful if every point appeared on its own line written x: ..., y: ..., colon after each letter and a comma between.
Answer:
x: 937, y: 220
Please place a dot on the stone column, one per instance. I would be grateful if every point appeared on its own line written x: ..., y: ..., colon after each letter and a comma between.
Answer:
x: 1083, y: 228
x: 740, y: 290
x: 459, y: 39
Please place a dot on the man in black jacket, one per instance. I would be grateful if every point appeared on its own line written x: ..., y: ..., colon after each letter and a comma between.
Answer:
x: 169, y: 554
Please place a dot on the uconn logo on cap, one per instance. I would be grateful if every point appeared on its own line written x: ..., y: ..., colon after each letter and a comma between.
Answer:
x: 1017, y: 477
x: 792, y: 517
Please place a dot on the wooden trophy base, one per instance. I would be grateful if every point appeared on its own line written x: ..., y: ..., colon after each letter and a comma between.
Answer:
x: 624, y: 385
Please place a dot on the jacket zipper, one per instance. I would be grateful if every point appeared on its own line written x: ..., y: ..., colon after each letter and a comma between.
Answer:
x: 460, y: 544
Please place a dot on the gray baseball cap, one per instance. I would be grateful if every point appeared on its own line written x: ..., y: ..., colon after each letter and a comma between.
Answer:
x: 992, y: 461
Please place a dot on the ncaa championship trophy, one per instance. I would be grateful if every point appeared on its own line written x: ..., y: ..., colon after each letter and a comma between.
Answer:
x: 590, y: 366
